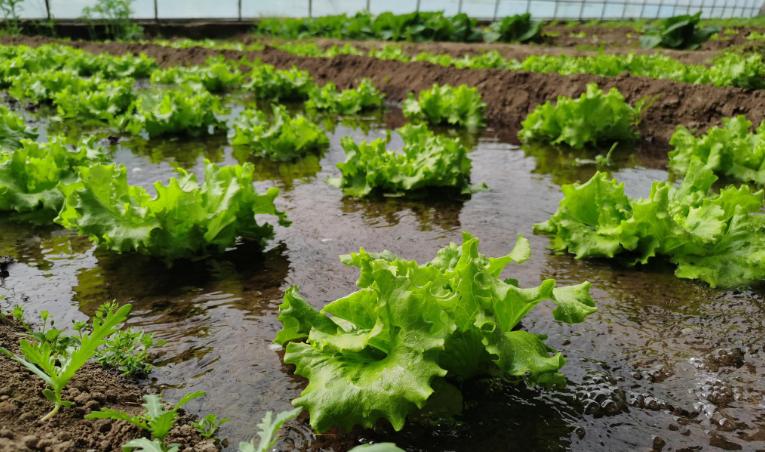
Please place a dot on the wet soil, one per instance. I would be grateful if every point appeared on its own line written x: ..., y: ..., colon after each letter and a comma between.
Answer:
x: 22, y: 404
x: 510, y: 95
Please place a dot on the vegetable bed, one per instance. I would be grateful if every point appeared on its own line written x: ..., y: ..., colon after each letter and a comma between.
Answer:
x: 649, y: 361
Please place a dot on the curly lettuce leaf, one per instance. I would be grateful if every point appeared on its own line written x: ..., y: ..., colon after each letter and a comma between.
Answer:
x: 284, y: 139
x: 183, y: 112
x: 267, y: 82
x: 347, y: 102
x: 382, y: 351
x: 460, y: 106
x: 594, y: 118
x: 427, y: 160
x: 216, y: 76
x: 712, y: 237
x: 184, y: 220
x: 104, y: 103
x: 13, y: 129
x: 29, y: 175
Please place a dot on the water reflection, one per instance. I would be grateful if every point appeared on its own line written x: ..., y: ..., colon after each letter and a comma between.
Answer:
x: 567, y: 165
x: 177, y: 152
x: 431, y: 213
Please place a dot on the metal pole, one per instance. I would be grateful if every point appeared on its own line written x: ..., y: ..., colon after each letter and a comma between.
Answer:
x: 156, y: 13
x: 239, y: 9
x: 581, y: 10
x: 418, y: 6
x: 528, y: 6
x: 642, y: 9
x: 602, y: 10
x: 368, y: 5
x: 496, y: 9
x: 310, y: 8
x: 555, y: 12
x: 459, y: 7
x: 47, y: 8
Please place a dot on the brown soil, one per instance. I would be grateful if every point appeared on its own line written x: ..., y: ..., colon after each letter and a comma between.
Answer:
x: 22, y: 404
x: 510, y: 96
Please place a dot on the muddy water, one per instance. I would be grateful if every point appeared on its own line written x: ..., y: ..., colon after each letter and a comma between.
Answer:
x: 664, y: 364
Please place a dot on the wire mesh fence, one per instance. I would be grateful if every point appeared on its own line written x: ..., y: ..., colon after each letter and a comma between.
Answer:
x: 481, y: 9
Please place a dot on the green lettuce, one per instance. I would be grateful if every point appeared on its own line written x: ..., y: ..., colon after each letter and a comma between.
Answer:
x: 731, y: 150
x: 13, y: 129
x: 677, y: 32
x: 267, y: 82
x: 517, y: 28
x: 105, y: 102
x: 381, y: 352
x: 284, y: 139
x: 443, y: 104
x: 182, y: 112
x: 30, y: 174
x: 594, y: 118
x: 426, y: 161
x: 349, y: 101
x: 215, y: 76
x: 43, y: 86
x: 717, y: 238
x: 184, y: 220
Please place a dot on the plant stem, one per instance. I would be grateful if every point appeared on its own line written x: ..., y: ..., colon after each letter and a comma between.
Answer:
x: 52, y: 413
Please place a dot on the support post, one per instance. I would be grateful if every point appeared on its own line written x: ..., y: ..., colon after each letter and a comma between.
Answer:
x: 528, y: 6
x: 368, y: 7
x: 496, y: 9
x: 642, y: 10
x: 47, y: 8
x: 156, y: 12
x: 239, y: 9
x: 310, y: 8
x: 418, y: 6
x: 459, y: 7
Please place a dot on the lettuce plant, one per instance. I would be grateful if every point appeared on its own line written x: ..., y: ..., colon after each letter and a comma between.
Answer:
x: 184, y: 220
x: 731, y: 150
x: 381, y: 352
x: 58, y: 370
x: 182, y: 112
x: 13, y: 129
x: 443, y: 104
x: 43, y: 86
x: 346, y: 102
x: 517, y: 28
x: 717, y: 238
x: 105, y: 102
x: 111, y: 66
x: 215, y: 76
x: 29, y: 175
x: 426, y: 161
x: 677, y: 32
x: 157, y: 420
x: 267, y: 82
x: 284, y: 139
x: 594, y: 118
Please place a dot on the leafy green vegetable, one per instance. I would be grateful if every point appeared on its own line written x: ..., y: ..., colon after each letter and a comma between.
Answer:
x: 105, y: 102
x: 379, y: 352
x: 716, y: 238
x: 209, y: 425
x: 43, y: 86
x: 267, y: 82
x: 184, y: 220
x: 443, y: 104
x: 13, y: 129
x: 517, y: 28
x: 57, y: 370
x: 127, y: 351
x: 157, y: 420
x: 110, y: 66
x: 215, y: 76
x: 269, y: 427
x: 183, y: 112
x: 349, y: 101
x: 677, y: 32
x: 426, y: 160
x: 284, y: 140
x: 29, y: 175
x: 594, y: 118
x: 731, y: 150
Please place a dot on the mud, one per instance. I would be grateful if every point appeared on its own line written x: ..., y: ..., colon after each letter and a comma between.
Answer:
x: 22, y: 404
x: 510, y: 96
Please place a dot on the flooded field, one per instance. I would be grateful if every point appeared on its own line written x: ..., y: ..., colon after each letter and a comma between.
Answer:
x: 665, y: 363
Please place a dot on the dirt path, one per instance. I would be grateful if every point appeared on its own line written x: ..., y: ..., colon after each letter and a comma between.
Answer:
x: 509, y: 95
x: 22, y: 404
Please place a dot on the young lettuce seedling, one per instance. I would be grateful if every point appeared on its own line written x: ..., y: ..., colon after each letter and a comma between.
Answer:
x: 156, y: 420
x: 209, y: 425
x: 269, y: 427
x: 56, y: 371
